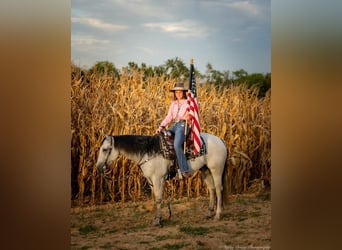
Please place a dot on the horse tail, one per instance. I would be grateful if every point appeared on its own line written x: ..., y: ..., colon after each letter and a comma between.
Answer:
x: 225, y: 183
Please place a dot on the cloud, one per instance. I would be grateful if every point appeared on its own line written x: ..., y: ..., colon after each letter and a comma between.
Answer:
x: 146, y: 50
x: 138, y: 9
x: 236, y: 39
x: 219, y: 31
x: 186, y: 28
x: 97, y: 23
x: 87, y: 41
x: 246, y: 6
x: 250, y: 8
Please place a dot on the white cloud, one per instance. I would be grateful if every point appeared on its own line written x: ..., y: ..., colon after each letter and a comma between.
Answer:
x: 246, y: 6
x: 87, y: 41
x: 97, y: 23
x: 146, y: 50
x: 184, y: 28
x: 236, y: 39
x: 144, y: 8
x: 151, y: 31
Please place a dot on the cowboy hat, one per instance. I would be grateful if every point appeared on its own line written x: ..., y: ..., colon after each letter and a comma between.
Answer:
x: 178, y: 86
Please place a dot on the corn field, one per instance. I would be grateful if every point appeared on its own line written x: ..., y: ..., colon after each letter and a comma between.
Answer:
x: 103, y: 104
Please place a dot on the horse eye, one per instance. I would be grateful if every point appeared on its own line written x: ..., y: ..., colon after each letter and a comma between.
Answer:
x: 105, y: 150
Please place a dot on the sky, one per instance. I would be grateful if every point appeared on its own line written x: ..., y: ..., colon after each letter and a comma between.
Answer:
x: 229, y: 34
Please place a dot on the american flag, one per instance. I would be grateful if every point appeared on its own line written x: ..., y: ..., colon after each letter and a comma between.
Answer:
x: 193, y: 110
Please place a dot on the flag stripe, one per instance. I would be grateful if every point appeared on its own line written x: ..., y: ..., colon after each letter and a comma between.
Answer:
x: 193, y: 111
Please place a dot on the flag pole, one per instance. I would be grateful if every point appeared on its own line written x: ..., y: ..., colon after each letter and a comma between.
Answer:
x: 185, y: 129
x: 186, y: 121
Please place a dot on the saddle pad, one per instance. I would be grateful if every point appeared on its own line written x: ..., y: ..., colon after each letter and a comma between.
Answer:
x: 169, y: 153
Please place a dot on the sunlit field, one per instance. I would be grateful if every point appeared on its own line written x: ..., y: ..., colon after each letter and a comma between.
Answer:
x: 103, y: 104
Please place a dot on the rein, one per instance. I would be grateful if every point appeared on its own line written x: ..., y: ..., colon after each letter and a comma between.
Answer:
x: 143, y: 162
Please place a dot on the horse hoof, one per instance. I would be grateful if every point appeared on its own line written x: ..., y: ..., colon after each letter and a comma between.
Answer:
x: 209, y: 215
x: 216, y: 218
x: 156, y: 222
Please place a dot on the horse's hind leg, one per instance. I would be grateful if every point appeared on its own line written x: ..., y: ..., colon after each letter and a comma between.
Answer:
x: 218, y: 187
x: 217, y: 178
x: 208, y: 179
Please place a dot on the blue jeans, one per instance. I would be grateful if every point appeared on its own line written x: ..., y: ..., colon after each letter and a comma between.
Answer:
x: 178, y: 130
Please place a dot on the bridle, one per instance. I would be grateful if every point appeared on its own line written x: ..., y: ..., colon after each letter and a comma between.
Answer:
x: 106, y: 161
x: 108, y: 154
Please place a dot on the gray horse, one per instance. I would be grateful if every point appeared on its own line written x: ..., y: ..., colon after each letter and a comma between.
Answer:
x: 146, y: 152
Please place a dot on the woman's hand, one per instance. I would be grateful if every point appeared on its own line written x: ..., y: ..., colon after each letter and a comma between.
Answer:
x: 159, y: 129
x: 187, y: 117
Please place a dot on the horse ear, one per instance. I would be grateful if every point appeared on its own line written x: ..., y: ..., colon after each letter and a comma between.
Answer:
x: 109, y: 138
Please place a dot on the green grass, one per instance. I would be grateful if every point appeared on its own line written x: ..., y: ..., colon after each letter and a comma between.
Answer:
x: 87, y: 229
x: 227, y: 215
x: 144, y: 242
x: 111, y: 231
x: 255, y: 214
x: 241, y: 200
x: 137, y: 227
x: 242, y: 219
x: 162, y: 237
x: 108, y: 245
x: 264, y: 196
x: 239, y: 233
x: 85, y: 247
x: 174, y: 246
x: 138, y: 214
x: 194, y: 230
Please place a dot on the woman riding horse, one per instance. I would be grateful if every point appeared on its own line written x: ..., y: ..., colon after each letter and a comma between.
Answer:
x: 178, y: 115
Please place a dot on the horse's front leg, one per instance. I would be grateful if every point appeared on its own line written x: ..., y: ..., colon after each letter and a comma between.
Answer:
x: 208, y: 179
x: 158, y: 187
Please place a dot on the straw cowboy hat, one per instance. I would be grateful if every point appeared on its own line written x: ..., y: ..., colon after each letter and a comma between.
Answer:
x: 178, y: 86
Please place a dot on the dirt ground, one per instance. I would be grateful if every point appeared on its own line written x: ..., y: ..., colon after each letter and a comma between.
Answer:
x: 245, y: 224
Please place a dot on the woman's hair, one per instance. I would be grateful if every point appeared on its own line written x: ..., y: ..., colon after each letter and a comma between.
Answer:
x: 184, y: 95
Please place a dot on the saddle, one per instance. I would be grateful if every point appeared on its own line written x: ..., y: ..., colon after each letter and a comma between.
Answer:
x: 168, y: 150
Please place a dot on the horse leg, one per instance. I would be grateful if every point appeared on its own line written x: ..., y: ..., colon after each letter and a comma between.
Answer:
x: 157, y: 188
x: 218, y: 187
x: 208, y: 179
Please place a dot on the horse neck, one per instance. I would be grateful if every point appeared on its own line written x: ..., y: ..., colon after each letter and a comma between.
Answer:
x: 132, y: 156
x: 136, y: 148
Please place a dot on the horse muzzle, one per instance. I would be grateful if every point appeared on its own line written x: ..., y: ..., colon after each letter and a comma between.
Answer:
x: 101, y: 168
